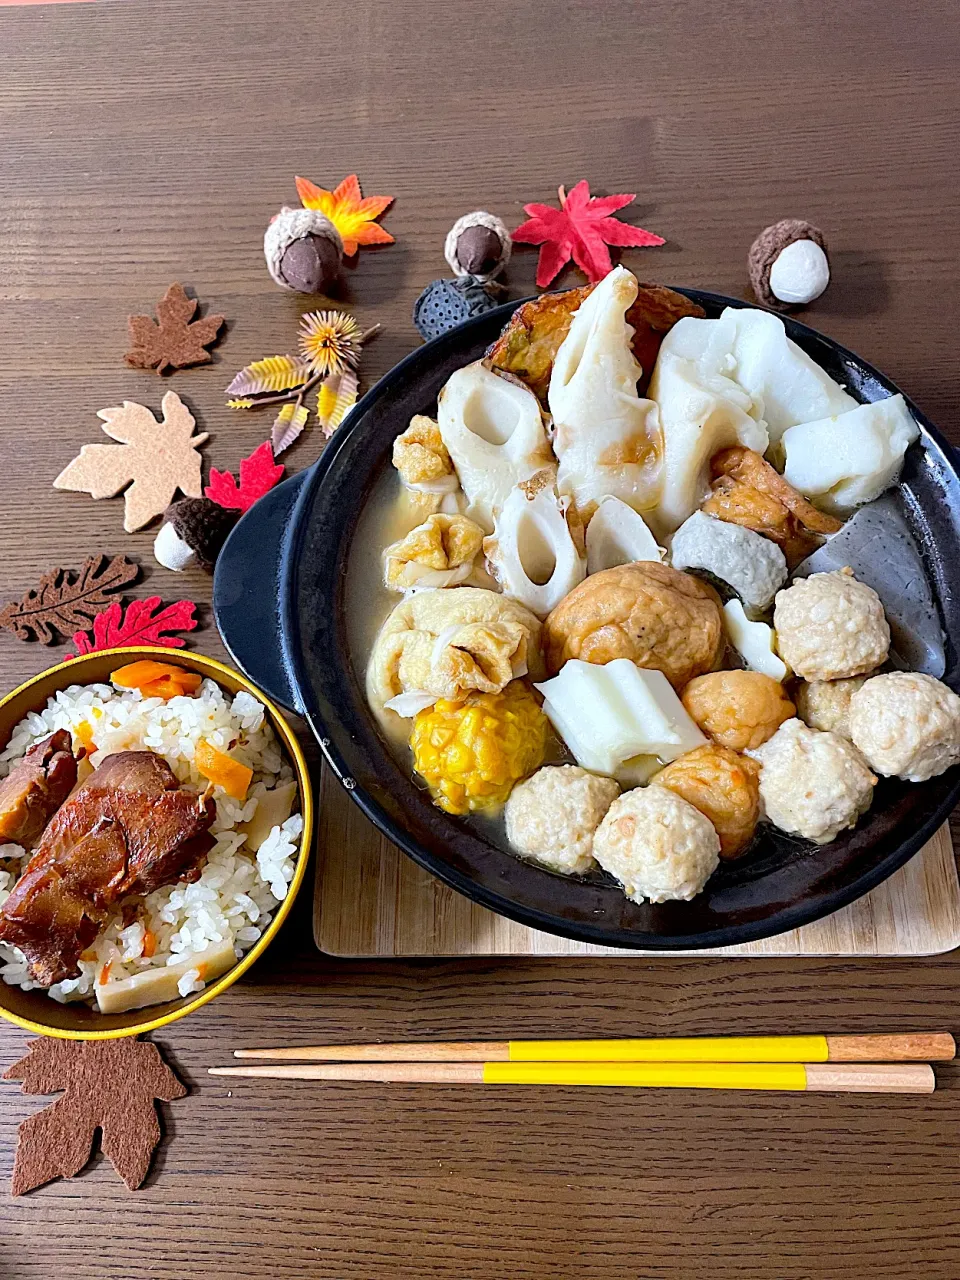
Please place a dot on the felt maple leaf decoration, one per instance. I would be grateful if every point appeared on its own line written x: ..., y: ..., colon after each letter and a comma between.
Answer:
x: 352, y: 215
x: 65, y: 599
x: 138, y: 624
x: 580, y: 229
x: 110, y: 1085
x: 154, y: 460
x: 174, y: 340
x: 258, y: 474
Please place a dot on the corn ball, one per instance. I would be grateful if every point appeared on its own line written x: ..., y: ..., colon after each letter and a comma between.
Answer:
x: 471, y: 751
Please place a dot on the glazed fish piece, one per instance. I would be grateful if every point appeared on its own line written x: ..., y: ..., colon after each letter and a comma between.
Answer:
x: 878, y: 546
x: 35, y: 788
x: 129, y: 829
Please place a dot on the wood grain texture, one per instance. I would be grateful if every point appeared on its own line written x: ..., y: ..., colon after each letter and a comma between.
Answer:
x: 149, y: 141
x: 370, y: 900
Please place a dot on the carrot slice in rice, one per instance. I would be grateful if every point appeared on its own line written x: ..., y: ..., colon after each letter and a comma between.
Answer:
x: 83, y: 732
x: 222, y: 770
x: 136, y: 674
x: 169, y: 687
x: 149, y: 943
x: 156, y: 679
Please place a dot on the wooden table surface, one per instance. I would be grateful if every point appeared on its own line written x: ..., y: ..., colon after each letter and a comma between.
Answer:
x: 150, y: 141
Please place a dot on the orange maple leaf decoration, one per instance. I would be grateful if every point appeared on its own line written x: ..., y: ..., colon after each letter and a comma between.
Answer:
x: 350, y: 213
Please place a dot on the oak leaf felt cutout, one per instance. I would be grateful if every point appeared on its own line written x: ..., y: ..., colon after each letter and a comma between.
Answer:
x: 258, y: 474
x: 174, y: 340
x: 66, y: 599
x: 139, y: 624
x: 111, y: 1085
x: 155, y: 460
x: 580, y: 229
x: 350, y: 213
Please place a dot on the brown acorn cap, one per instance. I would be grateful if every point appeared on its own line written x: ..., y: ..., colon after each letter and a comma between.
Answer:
x: 768, y: 246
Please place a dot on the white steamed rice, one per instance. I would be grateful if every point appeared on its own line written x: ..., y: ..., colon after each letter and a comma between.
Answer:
x: 237, y: 891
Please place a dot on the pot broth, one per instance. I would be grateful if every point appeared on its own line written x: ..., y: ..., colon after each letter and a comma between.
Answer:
x: 388, y: 515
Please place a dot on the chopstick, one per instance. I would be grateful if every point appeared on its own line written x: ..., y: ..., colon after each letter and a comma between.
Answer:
x: 919, y: 1046
x: 910, y: 1077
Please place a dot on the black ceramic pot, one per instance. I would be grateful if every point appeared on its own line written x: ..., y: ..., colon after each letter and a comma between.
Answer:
x: 279, y: 596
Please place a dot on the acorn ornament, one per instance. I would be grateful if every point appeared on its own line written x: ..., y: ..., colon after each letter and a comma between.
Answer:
x: 193, y: 532
x: 303, y: 250
x: 477, y: 249
x: 478, y: 245
x: 788, y: 264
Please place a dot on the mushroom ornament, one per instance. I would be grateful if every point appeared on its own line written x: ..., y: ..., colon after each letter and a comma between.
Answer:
x: 788, y: 264
x: 193, y: 532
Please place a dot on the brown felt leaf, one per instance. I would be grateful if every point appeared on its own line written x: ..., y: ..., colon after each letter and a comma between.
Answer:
x: 174, y: 340
x: 109, y: 1085
x: 66, y: 600
x: 159, y: 458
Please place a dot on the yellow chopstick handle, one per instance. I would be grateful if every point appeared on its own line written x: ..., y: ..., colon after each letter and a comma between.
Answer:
x: 759, y: 1049
x: 659, y: 1075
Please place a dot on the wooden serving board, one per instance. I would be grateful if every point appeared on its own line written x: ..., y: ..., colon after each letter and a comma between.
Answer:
x: 371, y: 900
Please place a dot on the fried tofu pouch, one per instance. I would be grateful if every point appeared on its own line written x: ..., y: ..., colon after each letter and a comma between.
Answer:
x: 451, y: 642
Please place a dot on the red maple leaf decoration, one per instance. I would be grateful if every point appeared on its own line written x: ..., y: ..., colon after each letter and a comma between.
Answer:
x: 580, y: 229
x: 139, y: 623
x: 258, y: 474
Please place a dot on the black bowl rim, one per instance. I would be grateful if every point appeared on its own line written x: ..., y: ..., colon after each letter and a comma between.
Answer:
x: 779, y: 921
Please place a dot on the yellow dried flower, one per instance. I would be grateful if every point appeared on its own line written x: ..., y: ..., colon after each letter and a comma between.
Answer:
x: 330, y: 340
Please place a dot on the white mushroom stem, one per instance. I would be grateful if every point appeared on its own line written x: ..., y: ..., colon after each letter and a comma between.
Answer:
x: 171, y: 551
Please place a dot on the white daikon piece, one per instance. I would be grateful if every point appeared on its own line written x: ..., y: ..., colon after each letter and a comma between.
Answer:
x: 606, y: 436
x: 702, y: 410
x: 608, y: 715
x: 754, y: 641
x: 493, y: 430
x: 842, y: 462
x: 618, y: 535
x: 773, y: 369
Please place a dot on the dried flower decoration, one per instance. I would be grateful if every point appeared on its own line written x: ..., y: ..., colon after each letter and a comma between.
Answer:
x: 330, y: 344
x: 330, y: 341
